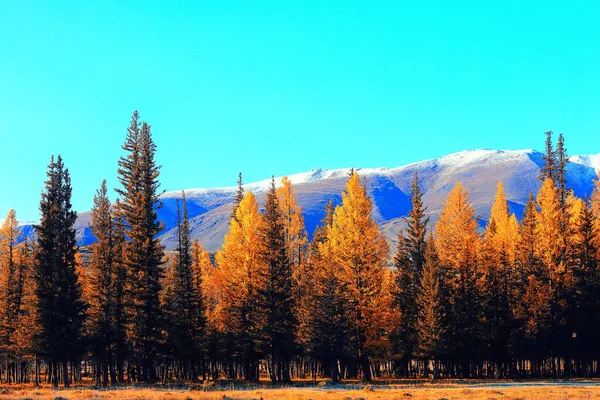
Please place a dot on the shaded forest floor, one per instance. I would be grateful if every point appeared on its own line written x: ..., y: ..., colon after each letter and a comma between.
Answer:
x: 449, y: 390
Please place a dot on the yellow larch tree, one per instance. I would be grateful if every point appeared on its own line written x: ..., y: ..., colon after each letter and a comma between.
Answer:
x: 499, y: 284
x: 458, y: 245
x: 550, y: 246
x: 204, y: 276
x: 239, y: 263
x: 293, y: 223
x: 9, y: 301
x: 360, y: 253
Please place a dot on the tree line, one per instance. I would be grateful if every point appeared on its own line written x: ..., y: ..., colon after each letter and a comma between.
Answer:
x: 517, y: 299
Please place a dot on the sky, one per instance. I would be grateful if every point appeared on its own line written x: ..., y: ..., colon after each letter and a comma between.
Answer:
x: 285, y: 86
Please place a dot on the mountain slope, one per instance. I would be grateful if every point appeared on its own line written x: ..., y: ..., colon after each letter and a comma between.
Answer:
x: 478, y: 170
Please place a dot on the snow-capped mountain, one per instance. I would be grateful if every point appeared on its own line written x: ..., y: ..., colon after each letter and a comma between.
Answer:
x: 479, y: 170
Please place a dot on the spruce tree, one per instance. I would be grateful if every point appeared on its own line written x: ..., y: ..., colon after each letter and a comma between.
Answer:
x: 409, y: 264
x: 275, y: 291
x: 102, y: 304
x: 239, y: 196
x: 138, y: 174
x: 61, y: 310
x: 548, y: 170
x: 562, y: 160
x: 185, y: 308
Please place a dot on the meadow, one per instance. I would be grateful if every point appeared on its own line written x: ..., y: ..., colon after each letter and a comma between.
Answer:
x: 534, y: 390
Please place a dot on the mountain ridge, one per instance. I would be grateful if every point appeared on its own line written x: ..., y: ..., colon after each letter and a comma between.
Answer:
x: 479, y: 170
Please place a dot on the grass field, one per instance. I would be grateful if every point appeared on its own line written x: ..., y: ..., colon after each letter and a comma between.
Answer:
x: 537, y: 391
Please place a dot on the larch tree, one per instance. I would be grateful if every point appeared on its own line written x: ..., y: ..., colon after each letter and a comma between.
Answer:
x: 26, y: 326
x: 431, y: 306
x: 239, y: 262
x: 458, y: 245
x: 323, y: 325
x: 138, y: 174
x: 409, y: 261
x: 499, y: 282
x: 360, y: 252
x: 9, y: 289
x: 293, y: 223
x: 60, y: 307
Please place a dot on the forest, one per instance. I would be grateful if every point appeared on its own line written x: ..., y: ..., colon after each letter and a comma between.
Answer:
x: 515, y: 299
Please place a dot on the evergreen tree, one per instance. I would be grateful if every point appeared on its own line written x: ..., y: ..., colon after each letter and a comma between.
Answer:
x: 409, y: 264
x: 548, y: 170
x: 138, y: 174
x: 239, y: 196
x: 275, y: 291
x: 102, y: 278
x: 185, y: 308
x: 562, y: 160
x: 61, y: 310
x: 119, y: 313
x: 586, y: 321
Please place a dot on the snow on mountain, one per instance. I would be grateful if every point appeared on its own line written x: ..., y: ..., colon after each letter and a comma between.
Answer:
x: 479, y: 170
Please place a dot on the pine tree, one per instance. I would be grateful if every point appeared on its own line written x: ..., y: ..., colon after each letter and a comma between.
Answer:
x: 121, y: 348
x: 138, y: 174
x: 548, y: 170
x: 102, y: 277
x: 586, y: 320
x: 458, y: 244
x: 275, y: 290
x: 61, y: 310
x: 239, y: 196
x: 185, y: 308
x: 360, y: 252
x: 431, y: 306
x: 562, y: 160
x: 409, y: 262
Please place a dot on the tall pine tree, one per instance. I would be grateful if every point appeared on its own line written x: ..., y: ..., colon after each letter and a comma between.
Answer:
x: 138, y: 174
x: 61, y: 310
x: 409, y: 263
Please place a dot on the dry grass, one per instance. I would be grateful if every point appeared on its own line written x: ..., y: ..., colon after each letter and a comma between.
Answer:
x: 470, y: 393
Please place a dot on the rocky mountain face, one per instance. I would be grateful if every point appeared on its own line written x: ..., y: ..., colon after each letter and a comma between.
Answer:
x: 479, y: 170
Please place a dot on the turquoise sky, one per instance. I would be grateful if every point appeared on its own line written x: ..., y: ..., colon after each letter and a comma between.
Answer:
x: 285, y: 86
